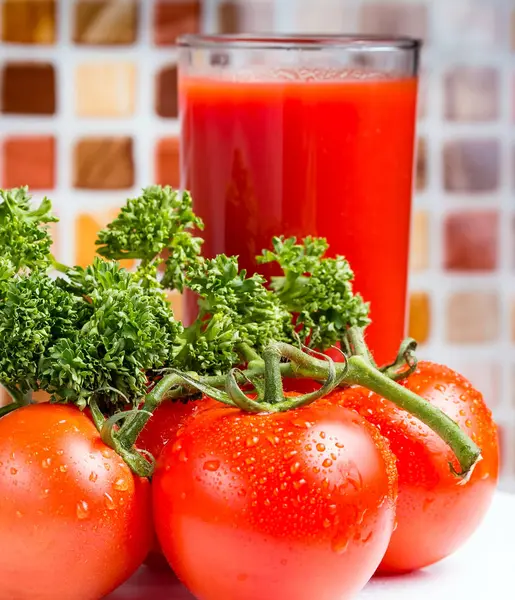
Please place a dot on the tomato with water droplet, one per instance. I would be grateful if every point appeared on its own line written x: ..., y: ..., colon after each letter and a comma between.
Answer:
x: 288, y: 528
x: 436, y: 511
x: 68, y: 527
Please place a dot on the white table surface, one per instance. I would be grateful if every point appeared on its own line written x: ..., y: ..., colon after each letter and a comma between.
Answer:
x: 483, y: 568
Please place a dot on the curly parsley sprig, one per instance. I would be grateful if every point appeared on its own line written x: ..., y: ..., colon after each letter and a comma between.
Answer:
x: 316, y: 289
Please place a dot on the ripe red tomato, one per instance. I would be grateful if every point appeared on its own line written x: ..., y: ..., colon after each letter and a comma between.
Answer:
x: 298, y: 504
x: 166, y: 420
x: 436, y: 512
x: 74, y: 521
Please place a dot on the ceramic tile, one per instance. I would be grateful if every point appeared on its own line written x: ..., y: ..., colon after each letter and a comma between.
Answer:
x: 422, y: 165
x: 472, y: 94
x: 102, y: 163
x: 229, y: 17
x: 472, y: 317
x: 167, y: 162
x: 472, y: 165
x: 419, y: 325
x: 471, y: 241
x: 28, y: 88
x: 463, y: 24
x: 173, y: 18
x: 28, y: 21
x: 29, y: 160
x: 395, y: 18
x: 419, y: 251
x: 87, y: 226
x: 104, y: 89
x: 176, y: 300
x: 104, y: 22
x: 166, y: 92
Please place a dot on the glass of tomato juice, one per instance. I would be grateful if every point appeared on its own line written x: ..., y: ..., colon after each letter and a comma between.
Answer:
x: 311, y: 135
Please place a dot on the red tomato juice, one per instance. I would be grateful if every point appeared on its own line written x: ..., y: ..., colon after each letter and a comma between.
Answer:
x: 331, y: 158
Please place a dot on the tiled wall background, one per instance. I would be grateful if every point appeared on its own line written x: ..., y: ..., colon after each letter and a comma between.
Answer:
x: 88, y: 115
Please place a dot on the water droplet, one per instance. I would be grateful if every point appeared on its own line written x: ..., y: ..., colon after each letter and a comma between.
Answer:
x: 251, y: 460
x: 105, y: 453
x: 93, y: 476
x: 252, y: 440
x: 211, y: 465
x: 427, y: 503
x: 107, y: 466
x: 321, y: 447
x: 368, y: 537
x: 468, y: 423
x: 13, y: 471
x: 122, y: 485
x: 308, y: 447
x: 19, y: 514
x: 109, y: 502
x: 294, y: 468
x: 273, y: 439
x: 322, y: 435
x: 299, y: 483
x: 82, y: 510
x: 183, y: 495
x: 339, y: 544
x: 45, y: 463
x: 440, y: 387
x: 183, y: 457
x: 62, y: 422
x: 60, y: 452
x: 332, y: 508
x: 300, y: 424
x: 339, y: 445
x: 267, y: 502
x: 63, y: 468
x: 327, y: 463
x: 290, y: 454
x: 462, y: 413
x: 326, y: 523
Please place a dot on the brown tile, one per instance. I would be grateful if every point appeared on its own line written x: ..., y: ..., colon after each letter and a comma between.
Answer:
x: 102, y: 163
x: 29, y: 161
x: 472, y: 317
x: 472, y: 165
x: 419, y: 316
x: 421, y: 174
x: 167, y: 162
x: 419, y: 250
x: 28, y: 21
x: 105, y: 89
x: 173, y: 18
x: 167, y: 102
x: 229, y: 17
x: 394, y: 18
x: 28, y: 88
x: 472, y: 94
x: 104, y: 22
x: 470, y: 240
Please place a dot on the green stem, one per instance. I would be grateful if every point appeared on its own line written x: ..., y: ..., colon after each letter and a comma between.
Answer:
x: 273, y: 380
x: 247, y: 353
x: 5, y: 410
x: 17, y: 396
x: 361, y: 372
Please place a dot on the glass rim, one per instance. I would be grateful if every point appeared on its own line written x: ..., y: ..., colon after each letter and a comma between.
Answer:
x: 298, y: 41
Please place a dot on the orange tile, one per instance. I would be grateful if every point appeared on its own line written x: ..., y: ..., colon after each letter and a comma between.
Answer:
x: 29, y: 161
x: 29, y: 21
x: 87, y: 226
x: 168, y: 162
x: 419, y: 317
x: 176, y: 300
x: 472, y: 317
x: 419, y: 251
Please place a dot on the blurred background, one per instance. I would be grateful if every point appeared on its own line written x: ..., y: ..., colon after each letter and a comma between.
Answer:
x: 88, y: 116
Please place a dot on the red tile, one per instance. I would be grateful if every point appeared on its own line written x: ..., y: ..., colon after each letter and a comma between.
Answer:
x: 167, y: 102
x: 395, y: 18
x: 28, y: 88
x: 29, y: 161
x: 472, y: 317
x: 168, y: 162
x: 472, y: 94
x: 173, y: 18
x: 471, y: 241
